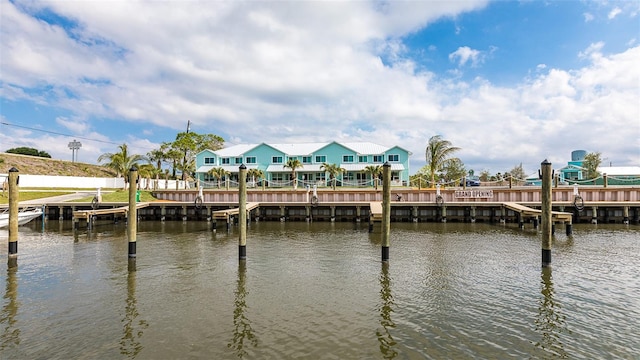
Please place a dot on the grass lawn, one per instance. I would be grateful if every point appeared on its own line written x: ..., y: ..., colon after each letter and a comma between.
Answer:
x: 120, y: 196
x: 116, y: 196
x: 32, y: 195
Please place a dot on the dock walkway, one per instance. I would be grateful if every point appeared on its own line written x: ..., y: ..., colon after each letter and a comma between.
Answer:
x: 225, y: 214
x: 375, y: 209
x: 527, y: 211
x: 87, y: 214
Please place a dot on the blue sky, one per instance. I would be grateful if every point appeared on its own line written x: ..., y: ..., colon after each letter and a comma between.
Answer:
x: 507, y: 82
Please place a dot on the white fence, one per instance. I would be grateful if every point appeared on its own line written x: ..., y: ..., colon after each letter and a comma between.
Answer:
x: 48, y: 181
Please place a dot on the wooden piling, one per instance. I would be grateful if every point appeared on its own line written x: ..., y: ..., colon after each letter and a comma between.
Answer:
x: 132, y: 214
x: 386, y: 210
x: 546, y: 213
x: 242, y: 211
x: 14, y: 200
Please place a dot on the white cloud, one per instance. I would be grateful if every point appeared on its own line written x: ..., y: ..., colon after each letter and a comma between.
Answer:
x: 465, y: 55
x: 613, y: 13
x: 588, y: 17
x: 309, y: 71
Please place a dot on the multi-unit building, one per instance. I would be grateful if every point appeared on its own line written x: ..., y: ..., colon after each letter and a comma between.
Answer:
x: 352, y: 157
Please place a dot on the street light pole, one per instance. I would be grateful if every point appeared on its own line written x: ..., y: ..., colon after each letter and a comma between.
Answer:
x: 74, y: 146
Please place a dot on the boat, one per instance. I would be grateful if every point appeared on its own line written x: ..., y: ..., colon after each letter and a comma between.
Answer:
x: 24, y: 216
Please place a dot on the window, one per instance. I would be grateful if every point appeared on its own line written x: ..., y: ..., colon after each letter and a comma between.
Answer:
x: 394, y: 157
x: 293, y: 158
x: 320, y: 177
x: 306, y: 159
x: 225, y: 161
x: 363, y: 158
x: 251, y: 159
x: 321, y: 159
x: 276, y: 160
x: 378, y: 158
x: 347, y: 158
x: 238, y: 160
x: 209, y: 160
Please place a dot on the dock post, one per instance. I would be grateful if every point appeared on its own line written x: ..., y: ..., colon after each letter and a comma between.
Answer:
x: 307, y: 210
x: 386, y: 210
x: 594, y: 215
x: 414, y: 214
x: 625, y: 215
x: 163, y: 213
x: 535, y: 222
x: 132, y: 216
x: 443, y: 218
x: 14, y: 195
x: 333, y: 213
x: 546, y: 213
x: 568, y: 228
x: 358, y: 214
x: 473, y: 214
x: 242, y: 211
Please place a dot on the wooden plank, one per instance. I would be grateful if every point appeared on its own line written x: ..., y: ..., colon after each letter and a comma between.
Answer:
x: 525, y: 210
x: 223, y: 214
x: 85, y: 214
x: 376, y: 210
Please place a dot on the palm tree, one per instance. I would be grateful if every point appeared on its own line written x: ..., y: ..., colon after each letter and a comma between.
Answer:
x: 146, y: 171
x: 121, y: 161
x: 218, y: 173
x: 293, y: 164
x: 255, y: 173
x: 438, y: 153
x: 334, y: 170
x: 157, y: 156
x: 374, y: 171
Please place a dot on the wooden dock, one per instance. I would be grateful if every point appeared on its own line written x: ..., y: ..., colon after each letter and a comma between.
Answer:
x: 227, y: 213
x: 87, y: 214
x: 526, y: 211
x: 375, y: 210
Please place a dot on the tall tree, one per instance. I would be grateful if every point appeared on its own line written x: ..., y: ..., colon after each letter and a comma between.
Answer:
x: 121, y: 161
x: 438, y: 153
x: 590, y: 164
x: 333, y: 170
x: 517, y: 174
x: 454, y: 169
x: 374, y: 171
x: 293, y: 164
x: 188, y: 144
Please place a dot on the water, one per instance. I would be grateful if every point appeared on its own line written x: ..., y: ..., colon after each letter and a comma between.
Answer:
x: 319, y: 291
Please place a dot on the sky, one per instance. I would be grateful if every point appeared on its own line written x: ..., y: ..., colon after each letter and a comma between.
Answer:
x: 508, y: 82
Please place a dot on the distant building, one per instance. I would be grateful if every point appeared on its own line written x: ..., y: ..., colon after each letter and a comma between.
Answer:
x: 574, y: 172
x: 353, y: 157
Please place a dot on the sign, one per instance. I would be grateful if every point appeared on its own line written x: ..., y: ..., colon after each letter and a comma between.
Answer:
x: 473, y: 194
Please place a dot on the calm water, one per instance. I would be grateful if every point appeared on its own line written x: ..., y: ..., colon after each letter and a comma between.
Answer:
x: 319, y: 291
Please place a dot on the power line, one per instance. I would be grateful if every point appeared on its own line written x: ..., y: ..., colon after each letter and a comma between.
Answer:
x: 72, y: 136
x: 61, y: 134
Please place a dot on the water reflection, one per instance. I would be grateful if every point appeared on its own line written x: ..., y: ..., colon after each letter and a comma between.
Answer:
x: 11, y: 335
x: 130, y: 344
x: 550, y: 322
x: 387, y: 343
x: 242, y: 326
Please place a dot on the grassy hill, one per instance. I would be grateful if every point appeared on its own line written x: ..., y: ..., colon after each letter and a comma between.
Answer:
x: 33, y: 165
